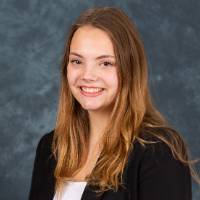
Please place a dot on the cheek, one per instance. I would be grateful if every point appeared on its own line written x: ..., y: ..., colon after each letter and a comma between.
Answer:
x: 71, y: 76
x: 112, y: 81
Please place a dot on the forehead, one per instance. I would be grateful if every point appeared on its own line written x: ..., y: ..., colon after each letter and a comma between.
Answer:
x: 90, y: 40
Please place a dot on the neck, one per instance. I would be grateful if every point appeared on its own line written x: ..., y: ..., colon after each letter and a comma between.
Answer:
x: 98, y: 122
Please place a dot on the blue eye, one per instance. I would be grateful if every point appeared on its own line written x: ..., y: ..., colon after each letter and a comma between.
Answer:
x: 75, y: 61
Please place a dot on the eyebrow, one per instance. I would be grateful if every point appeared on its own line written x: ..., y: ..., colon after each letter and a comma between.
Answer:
x: 99, y: 57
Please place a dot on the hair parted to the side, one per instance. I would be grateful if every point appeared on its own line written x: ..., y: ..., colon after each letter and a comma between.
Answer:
x: 133, y: 114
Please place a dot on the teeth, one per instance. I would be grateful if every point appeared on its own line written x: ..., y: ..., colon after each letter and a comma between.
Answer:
x: 92, y: 90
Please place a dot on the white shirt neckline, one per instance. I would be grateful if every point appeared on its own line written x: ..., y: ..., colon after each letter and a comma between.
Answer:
x: 73, y: 190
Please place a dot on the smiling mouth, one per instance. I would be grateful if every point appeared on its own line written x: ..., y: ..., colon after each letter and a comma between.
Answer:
x: 91, y: 90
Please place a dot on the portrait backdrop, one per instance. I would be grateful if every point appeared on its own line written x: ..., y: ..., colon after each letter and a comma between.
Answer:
x: 32, y: 37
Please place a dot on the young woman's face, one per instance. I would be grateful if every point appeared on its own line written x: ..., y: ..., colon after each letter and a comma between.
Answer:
x: 91, y: 71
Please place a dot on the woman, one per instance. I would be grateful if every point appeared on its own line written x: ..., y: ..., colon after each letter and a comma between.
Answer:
x: 110, y: 142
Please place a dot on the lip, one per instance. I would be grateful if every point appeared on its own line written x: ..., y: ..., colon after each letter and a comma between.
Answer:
x: 87, y: 94
x: 89, y: 86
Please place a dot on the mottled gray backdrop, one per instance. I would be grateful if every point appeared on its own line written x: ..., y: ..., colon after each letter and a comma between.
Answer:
x: 32, y: 35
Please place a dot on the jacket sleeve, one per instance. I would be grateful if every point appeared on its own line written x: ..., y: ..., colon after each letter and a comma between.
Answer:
x: 161, y: 176
x: 38, y: 174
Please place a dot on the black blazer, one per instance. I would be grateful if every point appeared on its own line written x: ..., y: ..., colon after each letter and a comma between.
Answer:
x: 151, y: 173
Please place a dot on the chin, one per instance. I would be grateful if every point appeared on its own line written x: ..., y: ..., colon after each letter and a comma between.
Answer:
x: 92, y: 107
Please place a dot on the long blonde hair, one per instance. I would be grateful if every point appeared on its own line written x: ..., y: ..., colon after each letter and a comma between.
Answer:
x: 133, y: 113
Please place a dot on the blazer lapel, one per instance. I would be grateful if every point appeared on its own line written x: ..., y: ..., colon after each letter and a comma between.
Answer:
x: 90, y: 194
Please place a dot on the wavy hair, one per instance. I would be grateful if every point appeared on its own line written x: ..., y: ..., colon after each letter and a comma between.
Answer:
x: 133, y: 113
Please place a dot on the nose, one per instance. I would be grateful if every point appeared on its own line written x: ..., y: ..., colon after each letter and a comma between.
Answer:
x: 89, y: 72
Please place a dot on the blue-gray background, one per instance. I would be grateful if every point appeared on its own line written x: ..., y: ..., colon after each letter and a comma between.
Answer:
x: 32, y: 35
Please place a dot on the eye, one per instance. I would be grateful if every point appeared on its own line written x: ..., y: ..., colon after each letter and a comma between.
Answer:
x: 75, y: 61
x: 107, y: 63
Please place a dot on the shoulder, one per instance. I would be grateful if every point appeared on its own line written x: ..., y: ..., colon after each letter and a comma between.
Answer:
x: 154, y: 168
x: 44, y: 144
x: 42, y: 182
x: 158, y: 160
x: 156, y: 151
x: 161, y: 141
x: 46, y: 138
x: 158, y: 155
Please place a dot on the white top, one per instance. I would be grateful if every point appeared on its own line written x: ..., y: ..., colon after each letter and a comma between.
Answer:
x: 73, y: 190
